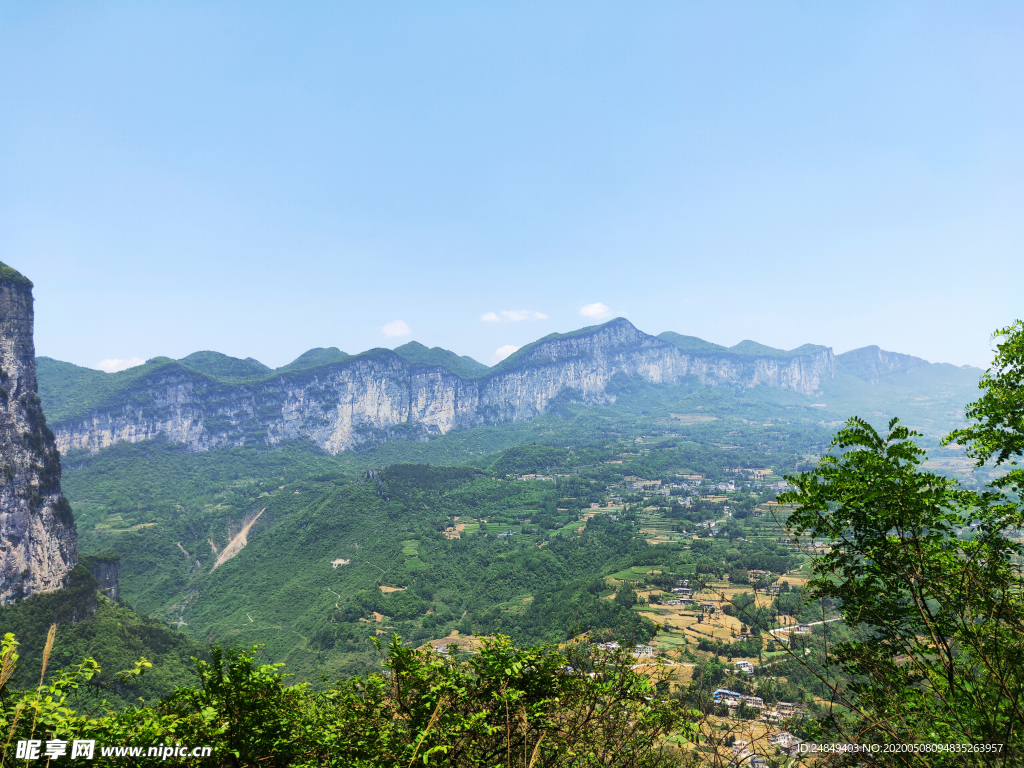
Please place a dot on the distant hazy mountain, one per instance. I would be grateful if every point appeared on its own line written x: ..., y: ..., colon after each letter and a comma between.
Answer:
x: 745, y: 348
x: 876, y: 366
x: 341, y: 401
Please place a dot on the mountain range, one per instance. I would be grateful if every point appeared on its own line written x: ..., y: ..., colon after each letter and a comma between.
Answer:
x: 341, y: 401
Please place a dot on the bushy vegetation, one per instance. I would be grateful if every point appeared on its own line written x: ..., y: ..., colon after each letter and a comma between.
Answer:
x: 504, y: 706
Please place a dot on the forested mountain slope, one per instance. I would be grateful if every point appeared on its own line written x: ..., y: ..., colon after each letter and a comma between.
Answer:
x: 335, y: 556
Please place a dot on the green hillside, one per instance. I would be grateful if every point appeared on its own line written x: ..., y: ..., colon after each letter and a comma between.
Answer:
x: 13, y: 275
x: 224, y: 367
x: 464, y: 366
x: 93, y: 626
x: 315, y: 357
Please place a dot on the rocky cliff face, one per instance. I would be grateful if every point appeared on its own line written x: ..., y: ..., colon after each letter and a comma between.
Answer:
x: 873, y: 364
x: 104, y: 568
x: 37, y: 528
x: 379, y: 394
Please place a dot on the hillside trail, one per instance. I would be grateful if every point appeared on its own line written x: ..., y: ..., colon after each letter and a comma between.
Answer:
x: 237, y: 543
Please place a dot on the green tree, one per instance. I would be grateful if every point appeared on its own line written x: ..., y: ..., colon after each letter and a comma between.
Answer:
x: 998, y: 432
x: 935, y: 644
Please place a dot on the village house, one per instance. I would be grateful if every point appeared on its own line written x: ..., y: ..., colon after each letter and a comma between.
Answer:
x: 727, y: 697
x: 745, y: 666
x: 786, y: 742
x: 643, y: 652
x: 744, y: 757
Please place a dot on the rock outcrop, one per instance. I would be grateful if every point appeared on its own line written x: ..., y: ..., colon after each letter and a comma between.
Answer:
x: 379, y: 394
x: 104, y: 568
x: 37, y: 529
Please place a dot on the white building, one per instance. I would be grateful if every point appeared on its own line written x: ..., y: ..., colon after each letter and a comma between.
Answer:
x: 745, y: 666
x: 643, y: 652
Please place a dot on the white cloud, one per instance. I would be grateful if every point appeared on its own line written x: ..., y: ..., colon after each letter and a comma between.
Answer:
x: 596, y: 311
x: 502, y: 352
x: 396, y: 328
x: 114, y: 365
x: 513, y: 316
x: 516, y: 315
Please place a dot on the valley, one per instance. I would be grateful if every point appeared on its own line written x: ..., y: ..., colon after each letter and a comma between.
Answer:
x: 603, y: 489
x: 518, y: 525
x: 527, y: 540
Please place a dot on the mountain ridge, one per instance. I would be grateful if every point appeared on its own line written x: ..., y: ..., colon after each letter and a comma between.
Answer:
x: 875, y: 365
x: 342, y: 401
x: 379, y: 394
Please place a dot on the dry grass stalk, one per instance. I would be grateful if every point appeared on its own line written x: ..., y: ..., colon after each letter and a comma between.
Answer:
x: 50, y: 636
x: 536, y: 751
x: 14, y: 724
x: 7, y: 669
x: 433, y: 719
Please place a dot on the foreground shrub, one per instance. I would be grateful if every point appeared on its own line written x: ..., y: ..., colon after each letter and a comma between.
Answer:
x: 504, y: 706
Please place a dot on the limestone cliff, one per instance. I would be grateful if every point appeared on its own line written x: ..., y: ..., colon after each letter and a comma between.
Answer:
x: 37, y: 528
x: 378, y: 394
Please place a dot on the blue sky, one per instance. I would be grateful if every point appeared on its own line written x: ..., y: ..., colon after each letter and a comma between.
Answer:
x: 262, y: 178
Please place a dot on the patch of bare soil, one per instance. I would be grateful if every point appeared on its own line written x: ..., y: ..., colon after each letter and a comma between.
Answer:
x: 237, y: 544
